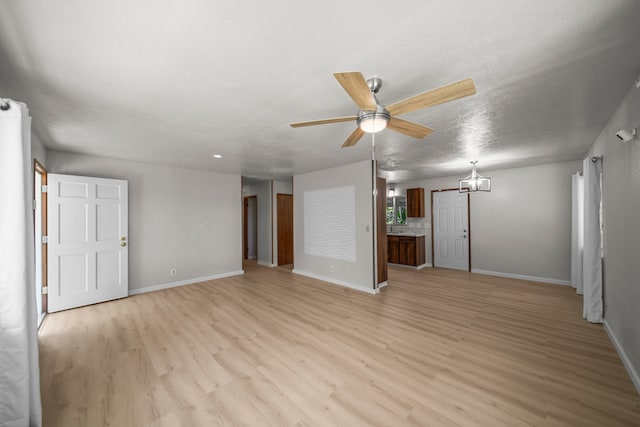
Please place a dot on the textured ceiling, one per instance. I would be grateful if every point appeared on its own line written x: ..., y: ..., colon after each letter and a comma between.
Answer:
x: 175, y: 82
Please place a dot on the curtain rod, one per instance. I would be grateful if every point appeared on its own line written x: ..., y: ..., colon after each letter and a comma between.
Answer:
x: 4, y: 104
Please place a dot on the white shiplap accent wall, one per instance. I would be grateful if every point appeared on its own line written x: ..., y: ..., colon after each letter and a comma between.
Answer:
x: 330, y: 223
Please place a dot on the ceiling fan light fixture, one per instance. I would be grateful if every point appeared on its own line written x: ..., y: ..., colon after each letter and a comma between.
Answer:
x: 474, y: 182
x: 373, y: 121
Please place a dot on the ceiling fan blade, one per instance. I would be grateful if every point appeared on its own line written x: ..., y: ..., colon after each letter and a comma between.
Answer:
x: 409, y: 128
x: 353, y: 138
x: 358, y: 89
x: 434, y: 97
x: 323, y: 121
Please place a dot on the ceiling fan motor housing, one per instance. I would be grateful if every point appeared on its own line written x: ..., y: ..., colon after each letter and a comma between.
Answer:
x: 380, y: 113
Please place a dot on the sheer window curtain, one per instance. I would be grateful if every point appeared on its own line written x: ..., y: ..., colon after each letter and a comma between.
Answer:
x: 586, y: 239
x: 577, y: 230
x: 19, y: 372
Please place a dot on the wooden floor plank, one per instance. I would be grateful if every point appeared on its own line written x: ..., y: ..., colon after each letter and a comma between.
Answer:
x: 435, y: 348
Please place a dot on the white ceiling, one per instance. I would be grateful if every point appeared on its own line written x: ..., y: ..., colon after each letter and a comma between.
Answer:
x: 173, y: 82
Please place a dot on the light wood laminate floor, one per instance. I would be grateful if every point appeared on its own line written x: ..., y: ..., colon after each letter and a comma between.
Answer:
x: 435, y: 348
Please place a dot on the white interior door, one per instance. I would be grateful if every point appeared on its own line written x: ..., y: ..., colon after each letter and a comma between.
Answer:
x: 451, y: 230
x: 88, y: 252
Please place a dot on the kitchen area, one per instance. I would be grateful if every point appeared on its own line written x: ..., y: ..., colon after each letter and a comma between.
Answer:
x: 408, y: 230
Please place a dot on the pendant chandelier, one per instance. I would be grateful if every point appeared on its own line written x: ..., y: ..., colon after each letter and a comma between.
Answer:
x: 474, y: 182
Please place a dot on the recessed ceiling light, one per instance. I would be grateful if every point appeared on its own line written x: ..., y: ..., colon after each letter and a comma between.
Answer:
x: 216, y: 156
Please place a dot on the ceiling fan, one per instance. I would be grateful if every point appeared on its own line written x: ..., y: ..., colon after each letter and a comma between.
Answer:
x: 374, y: 117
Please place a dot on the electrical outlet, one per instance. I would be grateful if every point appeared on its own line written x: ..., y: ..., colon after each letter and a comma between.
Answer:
x: 331, y: 268
x: 173, y: 272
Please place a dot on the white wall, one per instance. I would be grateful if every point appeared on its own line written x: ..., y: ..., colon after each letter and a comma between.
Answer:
x: 518, y: 228
x: 187, y: 219
x: 279, y: 187
x: 621, y: 194
x: 358, y: 274
x: 262, y: 190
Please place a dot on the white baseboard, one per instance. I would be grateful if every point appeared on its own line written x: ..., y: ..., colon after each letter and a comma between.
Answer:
x: 336, y: 282
x: 266, y: 264
x: 635, y: 378
x: 413, y: 267
x: 523, y: 277
x: 183, y: 282
x: 383, y: 284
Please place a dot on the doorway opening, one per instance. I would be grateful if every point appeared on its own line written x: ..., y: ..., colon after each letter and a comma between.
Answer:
x: 40, y: 233
x: 260, y: 218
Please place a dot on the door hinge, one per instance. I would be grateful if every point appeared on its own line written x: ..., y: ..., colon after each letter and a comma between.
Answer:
x: 45, y: 239
x: 44, y: 189
x: 45, y: 290
x: 34, y: 204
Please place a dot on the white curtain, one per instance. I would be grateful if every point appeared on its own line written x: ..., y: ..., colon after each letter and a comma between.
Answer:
x: 19, y: 372
x: 577, y: 230
x: 586, y: 238
x: 592, y: 255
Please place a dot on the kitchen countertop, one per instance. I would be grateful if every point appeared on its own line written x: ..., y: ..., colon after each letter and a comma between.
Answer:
x: 407, y: 233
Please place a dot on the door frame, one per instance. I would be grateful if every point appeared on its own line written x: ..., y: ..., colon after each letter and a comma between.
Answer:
x: 433, y: 256
x: 39, y: 168
x: 382, y: 244
x: 245, y: 222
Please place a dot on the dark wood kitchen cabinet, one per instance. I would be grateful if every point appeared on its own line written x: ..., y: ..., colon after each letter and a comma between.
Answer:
x: 406, y: 250
x: 393, y: 249
x: 415, y: 202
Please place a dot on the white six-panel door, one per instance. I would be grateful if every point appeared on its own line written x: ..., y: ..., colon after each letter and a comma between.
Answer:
x: 450, y: 230
x: 88, y: 240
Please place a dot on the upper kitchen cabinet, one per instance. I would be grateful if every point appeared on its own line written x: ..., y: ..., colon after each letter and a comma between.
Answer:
x: 415, y: 202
